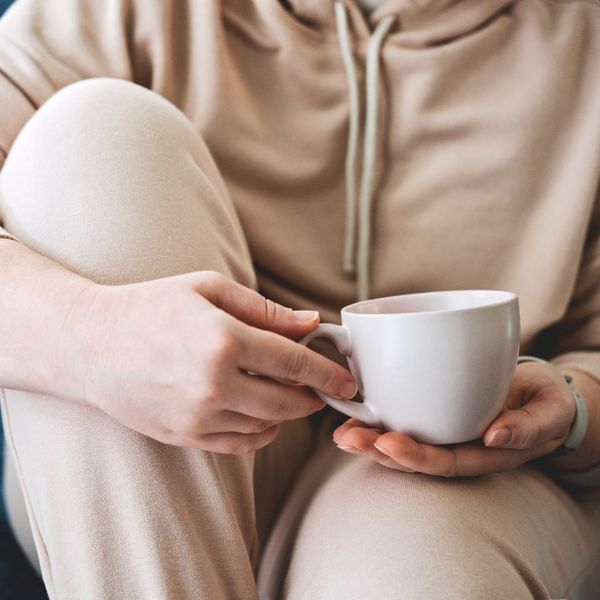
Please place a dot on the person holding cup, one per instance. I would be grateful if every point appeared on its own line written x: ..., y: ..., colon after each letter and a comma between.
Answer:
x: 191, y: 189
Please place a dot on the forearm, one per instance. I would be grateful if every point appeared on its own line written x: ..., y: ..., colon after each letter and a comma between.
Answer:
x: 588, y: 453
x: 36, y: 295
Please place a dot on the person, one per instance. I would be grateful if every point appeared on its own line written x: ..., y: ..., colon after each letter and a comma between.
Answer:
x: 189, y: 187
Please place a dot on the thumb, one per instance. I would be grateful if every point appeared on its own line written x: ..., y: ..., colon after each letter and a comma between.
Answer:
x: 545, y: 418
x: 254, y: 309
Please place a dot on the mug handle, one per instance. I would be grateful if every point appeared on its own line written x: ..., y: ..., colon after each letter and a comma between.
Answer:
x: 340, y: 336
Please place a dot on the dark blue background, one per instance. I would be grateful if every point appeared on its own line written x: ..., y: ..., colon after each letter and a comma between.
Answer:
x: 4, y: 5
x: 17, y: 580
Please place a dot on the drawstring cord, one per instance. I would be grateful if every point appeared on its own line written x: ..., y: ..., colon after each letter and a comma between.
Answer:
x: 370, y: 156
x: 357, y: 261
x: 352, y: 148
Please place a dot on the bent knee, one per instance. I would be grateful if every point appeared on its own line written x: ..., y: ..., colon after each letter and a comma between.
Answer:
x: 103, y: 171
x: 91, y: 161
x: 94, y: 115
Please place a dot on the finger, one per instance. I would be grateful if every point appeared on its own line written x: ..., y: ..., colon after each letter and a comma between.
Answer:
x: 234, y: 442
x: 545, y: 418
x: 267, y: 353
x: 371, y: 453
x: 355, y: 437
x: 230, y: 421
x: 339, y: 435
x: 465, y: 460
x: 376, y: 456
x: 254, y: 309
x: 265, y: 399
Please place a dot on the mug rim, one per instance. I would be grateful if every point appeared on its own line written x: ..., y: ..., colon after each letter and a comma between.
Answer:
x: 508, y: 298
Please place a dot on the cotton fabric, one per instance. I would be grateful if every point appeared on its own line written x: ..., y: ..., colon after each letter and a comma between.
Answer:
x: 487, y: 177
x: 487, y: 173
x: 116, y: 514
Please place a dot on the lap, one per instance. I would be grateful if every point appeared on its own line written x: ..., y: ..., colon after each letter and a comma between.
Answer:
x: 368, y: 531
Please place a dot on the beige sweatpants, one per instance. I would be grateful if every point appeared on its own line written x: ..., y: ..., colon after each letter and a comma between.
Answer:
x: 114, y: 182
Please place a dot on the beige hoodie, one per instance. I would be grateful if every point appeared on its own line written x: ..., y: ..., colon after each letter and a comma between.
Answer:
x: 476, y: 161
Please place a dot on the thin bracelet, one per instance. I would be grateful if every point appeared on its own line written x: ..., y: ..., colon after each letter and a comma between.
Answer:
x: 580, y: 422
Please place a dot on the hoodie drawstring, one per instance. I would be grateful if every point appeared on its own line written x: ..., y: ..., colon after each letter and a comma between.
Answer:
x: 357, y: 260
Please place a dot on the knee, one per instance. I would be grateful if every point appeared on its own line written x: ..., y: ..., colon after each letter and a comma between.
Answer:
x: 106, y: 169
x: 88, y: 120
x: 80, y: 171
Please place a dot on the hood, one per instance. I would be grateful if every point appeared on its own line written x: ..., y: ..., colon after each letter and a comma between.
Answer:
x: 418, y: 23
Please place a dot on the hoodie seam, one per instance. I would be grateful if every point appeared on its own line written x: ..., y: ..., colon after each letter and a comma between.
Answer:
x: 318, y: 38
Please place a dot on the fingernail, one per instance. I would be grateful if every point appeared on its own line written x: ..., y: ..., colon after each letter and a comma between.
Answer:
x: 344, y: 447
x: 500, y: 437
x: 348, y: 390
x: 382, y: 449
x: 306, y: 315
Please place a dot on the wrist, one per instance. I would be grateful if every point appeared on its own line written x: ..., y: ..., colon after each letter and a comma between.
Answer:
x: 78, y: 339
x: 35, y: 297
x: 578, y: 427
x: 579, y: 424
x: 587, y: 453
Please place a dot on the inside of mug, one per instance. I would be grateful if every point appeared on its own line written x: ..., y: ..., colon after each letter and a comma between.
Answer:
x: 431, y: 302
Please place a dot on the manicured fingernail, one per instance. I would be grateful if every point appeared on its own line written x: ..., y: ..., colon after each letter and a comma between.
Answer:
x: 306, y: 315
x: 500, y: 437
x: 348, y: 390
x: 382, y: 449
x: 344, y: 447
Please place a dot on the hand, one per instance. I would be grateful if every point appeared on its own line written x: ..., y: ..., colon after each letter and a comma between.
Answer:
x: 195, y: 360
x: 536, y: 419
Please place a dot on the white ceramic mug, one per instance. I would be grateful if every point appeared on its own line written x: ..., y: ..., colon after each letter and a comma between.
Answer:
x: 434, y: 365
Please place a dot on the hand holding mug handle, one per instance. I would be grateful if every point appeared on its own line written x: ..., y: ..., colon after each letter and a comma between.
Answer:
x: 340, y: 336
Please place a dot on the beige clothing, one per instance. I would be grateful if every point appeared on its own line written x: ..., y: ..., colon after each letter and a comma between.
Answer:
x: 485, y: 175
x: 486, y: 172
x: 117, y: 515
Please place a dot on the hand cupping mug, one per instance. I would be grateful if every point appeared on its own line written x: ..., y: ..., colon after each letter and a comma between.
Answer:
x: 434, y: 365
